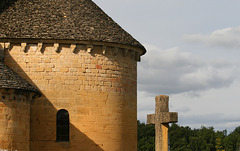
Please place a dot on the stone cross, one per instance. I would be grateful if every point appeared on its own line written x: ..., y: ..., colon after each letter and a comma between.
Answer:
x: 161, y: 119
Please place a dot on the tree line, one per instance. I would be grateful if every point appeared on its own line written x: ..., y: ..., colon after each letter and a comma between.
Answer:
x: 187, y: 139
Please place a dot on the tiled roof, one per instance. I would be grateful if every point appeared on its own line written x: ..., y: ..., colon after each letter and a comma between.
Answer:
x: 11, y: 80
x: 79, y: 20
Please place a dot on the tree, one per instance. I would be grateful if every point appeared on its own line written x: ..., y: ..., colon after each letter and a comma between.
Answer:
x: 232, y: 141
x: 179, y: 138
x: 186, y: 139
x: 220, y: 136
x: 146, y: 137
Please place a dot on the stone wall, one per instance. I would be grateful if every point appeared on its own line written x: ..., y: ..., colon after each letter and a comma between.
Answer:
x: 14, y: 120
x: 96, y: 84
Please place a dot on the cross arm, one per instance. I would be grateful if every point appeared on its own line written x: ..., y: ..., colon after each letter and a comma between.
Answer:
x: 169, y: 117
x: 151, y: 119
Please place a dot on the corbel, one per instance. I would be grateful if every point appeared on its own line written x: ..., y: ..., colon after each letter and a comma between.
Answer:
x: 73, y: 47
x: 1, y: 46
x: 40, y: 47
x: 104, y: 49
x: 23, y: 47
x: 137, y: 56
x: 89, y: 48
x: 56, y: 47
x: 7, y: 45
x: 132, y: 54
x: 1, y: 51
x: 125, y: 52
x: 115, y: 51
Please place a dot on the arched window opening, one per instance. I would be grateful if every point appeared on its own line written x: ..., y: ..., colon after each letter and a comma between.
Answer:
x: 62, y: 126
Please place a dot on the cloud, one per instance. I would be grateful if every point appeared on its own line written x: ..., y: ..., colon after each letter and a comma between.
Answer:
x: 226, y: 38
x: 183, y: 109
x: 173, y: 71
x: 145, y: 105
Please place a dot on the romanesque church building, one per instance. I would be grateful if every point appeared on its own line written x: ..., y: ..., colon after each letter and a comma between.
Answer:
x: 68, y: 78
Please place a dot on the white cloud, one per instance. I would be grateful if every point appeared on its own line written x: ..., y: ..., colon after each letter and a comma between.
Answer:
x: 173, y: 71
x: 202, y: 91
x: 145, y: 105
x: 215, y: 107
x: 227, y: 38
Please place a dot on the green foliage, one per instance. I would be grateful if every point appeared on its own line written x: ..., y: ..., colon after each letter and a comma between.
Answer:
x: 186, y: 139
x: 146, y: 137
x: 179, y: 137
x: 232, y: 141
x: 220, y: 135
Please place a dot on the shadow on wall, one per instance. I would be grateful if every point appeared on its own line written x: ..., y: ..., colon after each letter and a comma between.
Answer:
x: 43, y: 123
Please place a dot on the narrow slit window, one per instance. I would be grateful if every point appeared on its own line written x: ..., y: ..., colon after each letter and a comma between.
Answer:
x: 62, y: 126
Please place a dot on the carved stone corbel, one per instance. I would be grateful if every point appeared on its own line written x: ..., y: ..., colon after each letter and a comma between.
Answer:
x: 115, y: 51
x: 1, y: 51
x: 89, y: 48
x: 7, y: 45
x: 137, y: 56
x: 73, y: 47
x: 40, y: 47
x: 56, y: 47
x: 132, y: 54
x: 104, y: 49
x: 125, y: 52
x: 1, y: 46
x: 23, y: 47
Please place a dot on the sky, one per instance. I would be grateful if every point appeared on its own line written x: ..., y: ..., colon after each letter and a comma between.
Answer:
x: 193, y: 51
